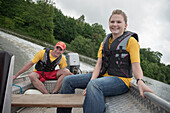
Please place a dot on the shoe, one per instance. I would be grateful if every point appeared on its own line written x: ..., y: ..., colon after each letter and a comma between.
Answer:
x: 56, y: 92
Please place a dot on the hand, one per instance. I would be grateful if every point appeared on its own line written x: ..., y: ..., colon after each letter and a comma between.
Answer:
x: 143, y: 88
x: 14, y: 77
x: 84, y: 92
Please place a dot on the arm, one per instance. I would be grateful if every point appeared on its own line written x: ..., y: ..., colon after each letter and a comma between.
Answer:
x: 97, y: 68
x: 24, y: 69
x: 138, y: 74
x: 96, y: 71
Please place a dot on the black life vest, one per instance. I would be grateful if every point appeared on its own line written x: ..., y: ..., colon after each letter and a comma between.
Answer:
x: 116, y: 59
x: 46, y: 65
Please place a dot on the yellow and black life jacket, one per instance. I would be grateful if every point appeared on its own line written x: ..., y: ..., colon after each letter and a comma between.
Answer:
x: 116, y: 59
x: 46, y: 65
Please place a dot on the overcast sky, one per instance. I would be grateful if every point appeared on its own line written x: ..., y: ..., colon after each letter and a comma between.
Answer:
x: 150, y: 19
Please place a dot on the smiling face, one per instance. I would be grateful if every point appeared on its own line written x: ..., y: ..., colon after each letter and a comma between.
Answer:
x: 57, y: 51
x: 117, y: 25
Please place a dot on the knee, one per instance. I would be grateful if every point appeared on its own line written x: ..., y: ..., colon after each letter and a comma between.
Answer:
x: 66, y: 80
x: 32, y: 76
x: 92, y: 86
x: 66, y: 72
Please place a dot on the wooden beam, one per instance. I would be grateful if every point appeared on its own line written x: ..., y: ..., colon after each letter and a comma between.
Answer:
x: 47, y: 100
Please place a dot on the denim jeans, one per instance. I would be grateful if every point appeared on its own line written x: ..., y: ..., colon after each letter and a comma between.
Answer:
x: 97, y: 89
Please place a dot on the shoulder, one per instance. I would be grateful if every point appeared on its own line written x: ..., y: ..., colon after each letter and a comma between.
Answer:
x: 101, y: 44
x: 41, y: 51
x: 63, y: 62
x: 132, y: 40
x: 63, y: 57
x: 132, y: 43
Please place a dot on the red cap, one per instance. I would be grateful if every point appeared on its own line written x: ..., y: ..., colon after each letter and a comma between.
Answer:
x: 62, y: 45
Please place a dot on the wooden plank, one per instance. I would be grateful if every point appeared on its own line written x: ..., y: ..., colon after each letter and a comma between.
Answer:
x: 47, y: 100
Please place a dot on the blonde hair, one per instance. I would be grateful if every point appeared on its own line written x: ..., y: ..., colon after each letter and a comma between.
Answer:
x: 119, y: 12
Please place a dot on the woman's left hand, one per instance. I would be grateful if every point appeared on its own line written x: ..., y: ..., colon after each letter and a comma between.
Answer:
x: 143, y: 88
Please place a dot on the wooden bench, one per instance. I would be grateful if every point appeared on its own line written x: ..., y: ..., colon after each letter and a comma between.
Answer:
x: 47, y: 100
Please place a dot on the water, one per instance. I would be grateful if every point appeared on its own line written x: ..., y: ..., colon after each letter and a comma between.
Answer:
x: 24, y: 51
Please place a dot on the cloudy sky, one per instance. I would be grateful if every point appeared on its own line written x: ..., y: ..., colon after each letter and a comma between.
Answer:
x: 150, y: 19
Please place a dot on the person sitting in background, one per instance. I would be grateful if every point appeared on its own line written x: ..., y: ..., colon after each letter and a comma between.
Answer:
x: 46, y: 60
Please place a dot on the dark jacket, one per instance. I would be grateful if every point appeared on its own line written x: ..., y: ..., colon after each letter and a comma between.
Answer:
x: 46, y: 65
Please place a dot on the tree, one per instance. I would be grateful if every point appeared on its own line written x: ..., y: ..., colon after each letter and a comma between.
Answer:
x: 40, y: 21
x: 151, y: 56
x: 87, y: 31
x: 27, y: 17
x: 82, y: 46
x: 81, y: 19
x: 98, y: 29
x: 150, y: 63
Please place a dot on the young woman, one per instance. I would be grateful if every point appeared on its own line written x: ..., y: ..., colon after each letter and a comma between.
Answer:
x: 118, y: 58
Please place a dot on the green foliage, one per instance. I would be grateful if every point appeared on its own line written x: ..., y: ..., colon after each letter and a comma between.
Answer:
x: 6, y: 22
x: 59, y: 24
x: 19, y: 21
x: 151, y: 56
x: 98, y: 29
x: 33, y: 19
x: 87, y: 31
x: 66, y: 29
x: 82, y: 46
x: 150, y: 63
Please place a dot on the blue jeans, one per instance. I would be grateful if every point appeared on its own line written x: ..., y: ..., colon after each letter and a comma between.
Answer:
x: 97, y: 89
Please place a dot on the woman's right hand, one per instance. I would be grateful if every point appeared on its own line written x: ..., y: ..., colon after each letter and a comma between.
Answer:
x: 84, y: 92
